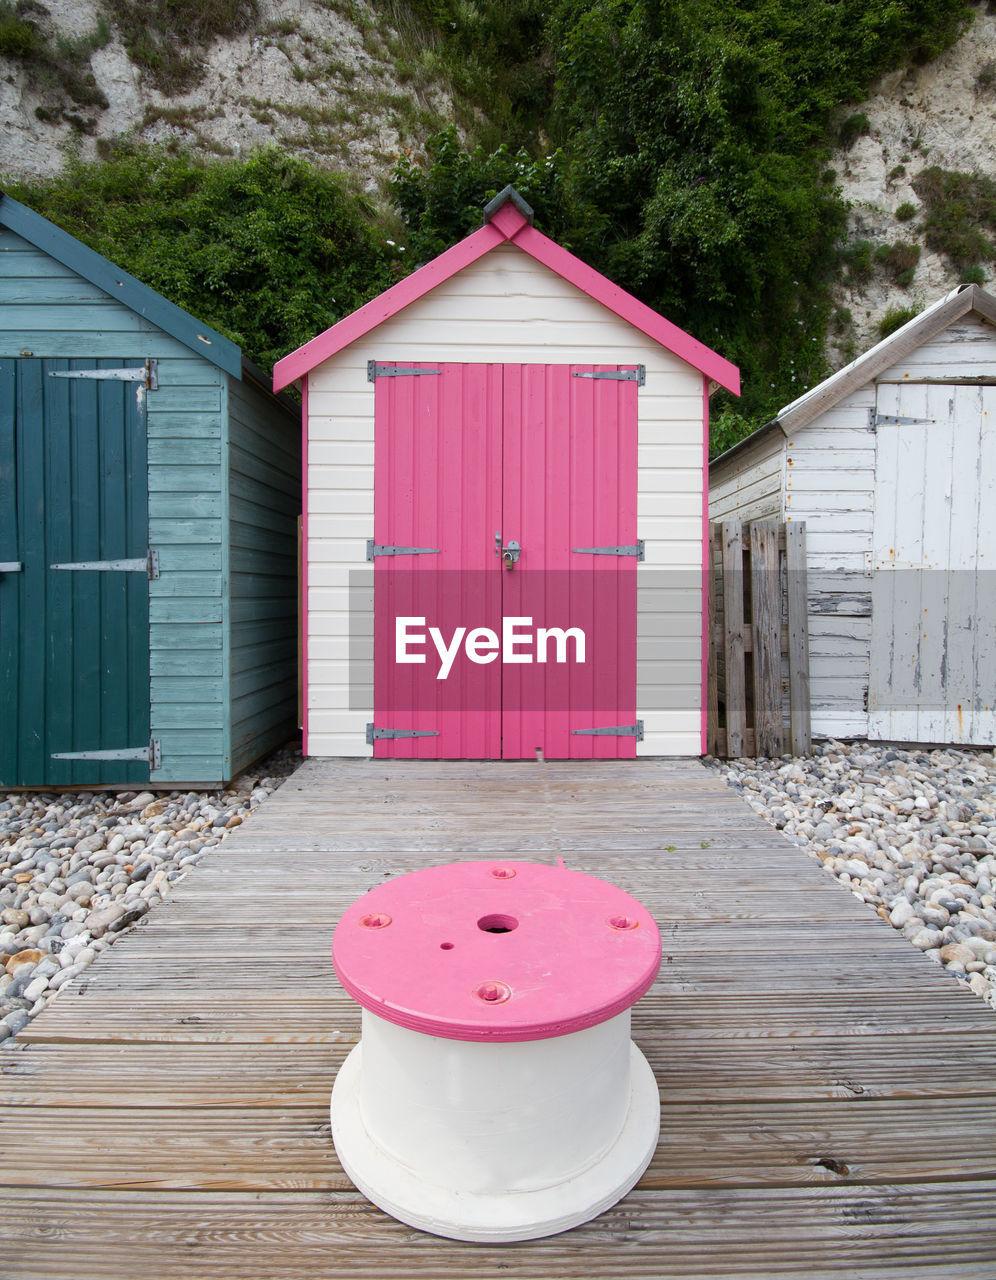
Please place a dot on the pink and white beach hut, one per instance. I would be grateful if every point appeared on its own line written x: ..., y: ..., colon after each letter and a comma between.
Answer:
x: 505, y: 512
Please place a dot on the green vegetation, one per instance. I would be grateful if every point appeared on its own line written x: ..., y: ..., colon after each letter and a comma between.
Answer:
x: 851, y: 129
x: 960, y: 219
x: 18, y: 38
x: 842, y: 320
x: 899, y: 260
x: 895, y: 318
x: 905, y: 211
x: 985, y: 81
x: 269, y: 251
x: 494, y: 53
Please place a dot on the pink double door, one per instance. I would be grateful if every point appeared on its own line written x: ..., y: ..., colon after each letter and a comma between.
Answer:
x: 505, y: 555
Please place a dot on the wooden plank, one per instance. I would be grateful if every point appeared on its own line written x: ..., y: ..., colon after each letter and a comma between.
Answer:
x: 766, y: 621
x: 733, y: 622
x: 783, y: 636
x: 798, y: 628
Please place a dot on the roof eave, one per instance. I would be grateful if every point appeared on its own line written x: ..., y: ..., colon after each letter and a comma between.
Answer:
x: 959, y: 302
x: 384, y: 306
x: 120, y: 285
x: 507, y: 223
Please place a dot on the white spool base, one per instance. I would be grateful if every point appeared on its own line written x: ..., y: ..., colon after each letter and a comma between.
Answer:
x: 520, y: 1215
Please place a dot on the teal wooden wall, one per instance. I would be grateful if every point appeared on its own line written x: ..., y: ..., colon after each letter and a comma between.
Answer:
x: 224, y: 492
x: 265, y: 501
x: 188, y: 626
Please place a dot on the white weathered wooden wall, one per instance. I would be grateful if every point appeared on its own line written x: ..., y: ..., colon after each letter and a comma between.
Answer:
x: 749, y: 486
x: 507, y: 308
x: 830, y: 483
x: 829, y: 479
x: 933, y: 650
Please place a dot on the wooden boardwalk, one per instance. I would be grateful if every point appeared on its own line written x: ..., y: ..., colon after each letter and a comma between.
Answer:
x: 828, y: 1093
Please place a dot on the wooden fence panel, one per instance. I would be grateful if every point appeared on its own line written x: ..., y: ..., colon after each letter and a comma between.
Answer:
x: 733, y: 636
x: 798, y: 636
x: 766, y: 599
x: 758, y: 624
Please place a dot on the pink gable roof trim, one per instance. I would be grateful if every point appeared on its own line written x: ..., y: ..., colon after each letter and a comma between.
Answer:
x: 507, y: 225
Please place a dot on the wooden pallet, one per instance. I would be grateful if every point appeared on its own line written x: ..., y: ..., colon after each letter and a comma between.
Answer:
x: 758, y: 639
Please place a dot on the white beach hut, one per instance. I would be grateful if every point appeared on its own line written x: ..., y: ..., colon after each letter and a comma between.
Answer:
x: 891, y: 462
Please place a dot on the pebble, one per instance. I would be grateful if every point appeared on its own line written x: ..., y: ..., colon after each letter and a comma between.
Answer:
x: 912, y: 833
x: 78, y: 869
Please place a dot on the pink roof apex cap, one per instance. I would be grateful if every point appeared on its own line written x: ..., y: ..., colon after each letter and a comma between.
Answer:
x: 507, y: 220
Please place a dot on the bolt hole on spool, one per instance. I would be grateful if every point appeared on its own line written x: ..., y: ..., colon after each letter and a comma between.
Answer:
x: 376, y: 920
x: 497, y: 924
x: 623, y: 922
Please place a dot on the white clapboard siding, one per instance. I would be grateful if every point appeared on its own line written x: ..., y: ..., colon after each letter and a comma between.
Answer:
x: 504, y: 309
x: 965, y: 349
x: 748, y: 485
x: 829, y: 483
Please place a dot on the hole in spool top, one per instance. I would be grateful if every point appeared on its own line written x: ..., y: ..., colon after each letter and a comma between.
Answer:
x: 497, y: 924
x: 623, y: 922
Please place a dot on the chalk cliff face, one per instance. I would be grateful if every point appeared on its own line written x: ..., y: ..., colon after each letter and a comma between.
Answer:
x: 335, y: 89
x: 941, y: 114
x: 304, y: 77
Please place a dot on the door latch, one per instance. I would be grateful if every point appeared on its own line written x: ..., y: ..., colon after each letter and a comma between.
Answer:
x: 510, y: 553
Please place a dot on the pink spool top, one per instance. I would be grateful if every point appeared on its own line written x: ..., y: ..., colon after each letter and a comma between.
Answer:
x: 496, y: 951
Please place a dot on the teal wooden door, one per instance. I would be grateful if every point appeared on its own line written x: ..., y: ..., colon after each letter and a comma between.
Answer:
x: 74, y: 589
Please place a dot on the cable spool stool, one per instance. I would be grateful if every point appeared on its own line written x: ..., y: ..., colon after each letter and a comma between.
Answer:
x: 495, y: 1093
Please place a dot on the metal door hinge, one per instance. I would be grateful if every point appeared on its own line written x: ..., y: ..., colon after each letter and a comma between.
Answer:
x: 148, y: 374
x: 633, y: 549
x: 373, y: 549
x: 637, y: 375
x: 876, y: 420
x: 10, y: 566
x: 152, y: 754
x: 615, y: 731
x: 373, y: 732
x: 149, y: 566
x: 375, y: 371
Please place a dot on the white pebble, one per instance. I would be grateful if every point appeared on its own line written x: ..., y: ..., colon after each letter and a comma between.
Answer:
x: 66, y: 975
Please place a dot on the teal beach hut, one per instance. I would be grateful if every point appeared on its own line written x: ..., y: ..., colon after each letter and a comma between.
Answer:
x: 149, y: 497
